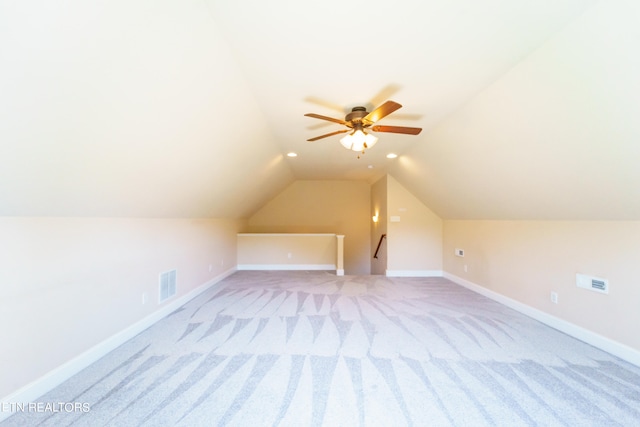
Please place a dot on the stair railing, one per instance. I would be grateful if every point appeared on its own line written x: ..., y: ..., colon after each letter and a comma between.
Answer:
x: 379, y: 244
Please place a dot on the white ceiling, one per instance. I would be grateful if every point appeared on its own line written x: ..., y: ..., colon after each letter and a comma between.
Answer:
x: 186, y: 108
x: 327, y: 57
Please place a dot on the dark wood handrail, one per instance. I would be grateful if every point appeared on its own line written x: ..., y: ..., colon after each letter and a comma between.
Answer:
x: 378, y: 248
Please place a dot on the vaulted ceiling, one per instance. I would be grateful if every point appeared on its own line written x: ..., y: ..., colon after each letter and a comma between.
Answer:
x: 188, y: 108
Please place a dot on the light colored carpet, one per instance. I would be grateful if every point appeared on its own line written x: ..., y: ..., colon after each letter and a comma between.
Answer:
x: 311, y: 349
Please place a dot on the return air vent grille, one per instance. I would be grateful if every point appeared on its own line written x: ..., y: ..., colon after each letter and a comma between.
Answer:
x: 167, y: 285
x: 596, y: 284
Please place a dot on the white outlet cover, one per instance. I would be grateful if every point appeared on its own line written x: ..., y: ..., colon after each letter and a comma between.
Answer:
x: 394, y: 218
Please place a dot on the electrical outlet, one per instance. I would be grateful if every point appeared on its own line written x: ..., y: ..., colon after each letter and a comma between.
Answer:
x: 289, y: 255
x: 554, y: 297
x: 210, y: 268
x: 465, y: 268
x: 144, y: 298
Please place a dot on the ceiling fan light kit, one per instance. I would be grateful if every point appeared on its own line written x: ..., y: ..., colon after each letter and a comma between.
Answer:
x: 358, y: 140
x: 359, y: 120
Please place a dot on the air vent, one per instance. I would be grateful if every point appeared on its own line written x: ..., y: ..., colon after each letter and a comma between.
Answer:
x: 596, y: 284
x: 167, y: 285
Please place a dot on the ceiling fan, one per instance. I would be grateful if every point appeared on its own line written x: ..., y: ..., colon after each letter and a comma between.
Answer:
x: 358, y: 121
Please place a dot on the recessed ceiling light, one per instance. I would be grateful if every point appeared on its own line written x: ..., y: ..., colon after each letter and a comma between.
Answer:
x: 392, y: 156
x: 292, y: 154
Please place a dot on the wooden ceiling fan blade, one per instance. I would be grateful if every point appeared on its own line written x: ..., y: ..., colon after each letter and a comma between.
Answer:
x: 319, y: 125
x: 385, y: 93
x: 331, y: 119
x: 407, y: 116
x: 380, y: 112
x: 325, y: 103
x: 329, y: 134
x: 397, y: 129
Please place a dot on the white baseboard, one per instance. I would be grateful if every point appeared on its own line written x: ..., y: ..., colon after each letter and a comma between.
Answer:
x: 32, y: 391
x: 286, y: 267
x: 413, y: 273
x: 622, y: 351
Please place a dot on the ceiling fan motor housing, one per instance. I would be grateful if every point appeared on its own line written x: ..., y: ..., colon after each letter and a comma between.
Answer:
x: 355, y: 116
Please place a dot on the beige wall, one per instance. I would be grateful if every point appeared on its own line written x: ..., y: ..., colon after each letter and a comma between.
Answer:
x: 340, y: 207
x: 527, y: 260
x: 268, y: 251
x: 68, y: 284
x: 414, y: 244
x: 379, y: 207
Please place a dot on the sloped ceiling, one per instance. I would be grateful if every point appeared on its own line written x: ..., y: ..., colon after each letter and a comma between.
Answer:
x: 187, y: 108
x: 128, y: 108
x: 556, y: 138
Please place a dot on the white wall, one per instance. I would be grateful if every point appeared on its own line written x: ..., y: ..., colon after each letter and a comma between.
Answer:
x: 68, y: 284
